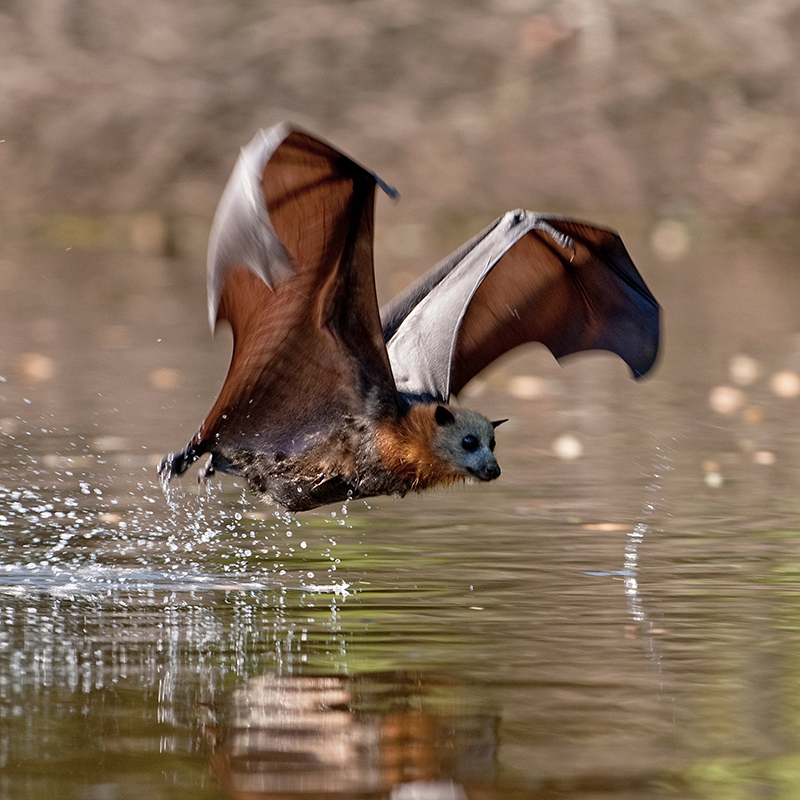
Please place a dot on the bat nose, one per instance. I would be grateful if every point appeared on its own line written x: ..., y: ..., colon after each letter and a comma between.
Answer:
x: 489, y: 472
x: 492, y: 471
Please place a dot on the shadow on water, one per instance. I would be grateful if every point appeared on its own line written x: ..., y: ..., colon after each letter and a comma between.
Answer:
x: 615, y: 618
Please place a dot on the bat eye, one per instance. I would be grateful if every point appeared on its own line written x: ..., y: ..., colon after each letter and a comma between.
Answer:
x: 492, y: 444
x: 470, y: 443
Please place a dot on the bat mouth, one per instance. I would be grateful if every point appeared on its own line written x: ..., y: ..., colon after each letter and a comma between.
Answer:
x: 486, y: 474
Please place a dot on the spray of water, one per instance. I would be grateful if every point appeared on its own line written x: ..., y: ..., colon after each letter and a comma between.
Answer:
x: 75, y: 519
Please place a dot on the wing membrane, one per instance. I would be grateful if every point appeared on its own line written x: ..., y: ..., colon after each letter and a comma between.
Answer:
x: 526, y: 278
x: 290, y: 268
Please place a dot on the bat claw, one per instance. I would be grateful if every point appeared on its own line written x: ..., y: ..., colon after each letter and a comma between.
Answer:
x: 166, y: 469
x: 564, y: 241
x: 207, y: 472
x: 176, y: 464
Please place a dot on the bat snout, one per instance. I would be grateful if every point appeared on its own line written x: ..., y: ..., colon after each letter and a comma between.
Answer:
x: 487, y: 472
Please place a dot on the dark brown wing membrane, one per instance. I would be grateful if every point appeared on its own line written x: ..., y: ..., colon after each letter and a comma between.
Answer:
x: 526, y: 278
x: 290, y: 264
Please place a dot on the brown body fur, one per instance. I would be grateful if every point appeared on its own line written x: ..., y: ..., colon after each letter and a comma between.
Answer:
x: 406, y: 448
x: 365, y: 459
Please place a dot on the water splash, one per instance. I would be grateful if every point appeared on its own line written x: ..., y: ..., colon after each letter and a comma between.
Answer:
x: 77, y: 520
x: 635, y: 540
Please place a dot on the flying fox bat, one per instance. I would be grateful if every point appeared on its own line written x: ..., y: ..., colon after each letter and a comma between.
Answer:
x: 328, y: 398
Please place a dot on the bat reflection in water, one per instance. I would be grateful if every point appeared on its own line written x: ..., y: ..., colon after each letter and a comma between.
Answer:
x: 328, y: 398
x: 373, y: 735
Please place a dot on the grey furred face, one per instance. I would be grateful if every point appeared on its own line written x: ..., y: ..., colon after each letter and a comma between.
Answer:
x: 465, y: 439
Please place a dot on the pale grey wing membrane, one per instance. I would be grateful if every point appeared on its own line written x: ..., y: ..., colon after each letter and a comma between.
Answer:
x: 241, y: 232
x: 422, y: 326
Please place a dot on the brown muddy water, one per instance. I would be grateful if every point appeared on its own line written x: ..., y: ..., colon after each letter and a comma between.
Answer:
x: 617, y: 617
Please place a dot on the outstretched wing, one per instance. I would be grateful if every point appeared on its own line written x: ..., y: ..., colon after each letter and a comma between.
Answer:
x: 290, y: 268
x: 526, y: 278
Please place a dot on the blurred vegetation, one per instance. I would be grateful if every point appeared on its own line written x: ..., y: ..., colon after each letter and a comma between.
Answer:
x: 656, y: 107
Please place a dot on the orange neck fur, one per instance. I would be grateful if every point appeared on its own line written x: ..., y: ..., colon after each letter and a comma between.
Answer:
x: 406, y: 450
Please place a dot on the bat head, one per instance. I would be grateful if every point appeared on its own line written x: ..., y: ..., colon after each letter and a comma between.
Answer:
x: 465, y: 440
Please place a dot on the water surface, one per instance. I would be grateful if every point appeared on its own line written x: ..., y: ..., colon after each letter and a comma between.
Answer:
x: 622, y: 624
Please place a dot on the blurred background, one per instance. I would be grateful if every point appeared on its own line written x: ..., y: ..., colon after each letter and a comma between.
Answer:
x: 676, y: 123
x: 653, y: 108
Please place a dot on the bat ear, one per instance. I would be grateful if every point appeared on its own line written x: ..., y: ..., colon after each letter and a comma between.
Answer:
x: 497, y: 422
x: 443, y: 416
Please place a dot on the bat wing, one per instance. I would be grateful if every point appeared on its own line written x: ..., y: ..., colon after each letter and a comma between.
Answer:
x: 526, y: 278
x: 290, y: 268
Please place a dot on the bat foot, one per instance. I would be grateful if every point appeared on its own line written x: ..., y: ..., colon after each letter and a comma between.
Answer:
x: 176, y: 464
